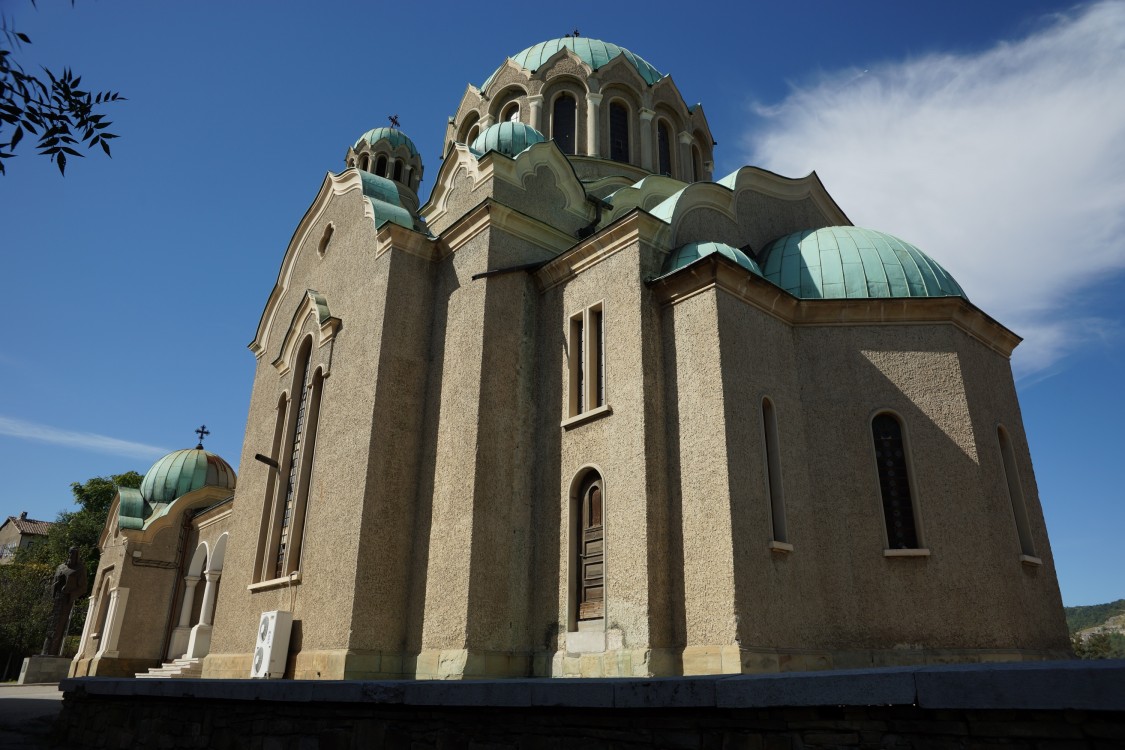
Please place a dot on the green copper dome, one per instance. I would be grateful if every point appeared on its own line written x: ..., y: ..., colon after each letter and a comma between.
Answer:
x: 593, y: 52
x: 185, y: 471
x: 693, y: 251
x: 393, y: 136
x: 509, y: 138
x: 853, y: 263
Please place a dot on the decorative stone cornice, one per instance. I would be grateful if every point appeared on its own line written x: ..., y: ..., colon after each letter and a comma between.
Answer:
x: 635, y: 228
x: 313, y: 303
x: 717, y: 272
x: 490, y: 214
x: 345, y: 183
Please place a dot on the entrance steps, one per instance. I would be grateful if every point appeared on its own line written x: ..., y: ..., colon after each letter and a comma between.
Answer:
x: 175, y: 669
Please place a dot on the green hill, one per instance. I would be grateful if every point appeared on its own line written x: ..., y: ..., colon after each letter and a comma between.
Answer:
x: 1079, y: 618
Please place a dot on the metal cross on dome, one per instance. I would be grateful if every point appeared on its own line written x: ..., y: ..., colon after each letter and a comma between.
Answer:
x: 202, y: 432
x: 394, y: 121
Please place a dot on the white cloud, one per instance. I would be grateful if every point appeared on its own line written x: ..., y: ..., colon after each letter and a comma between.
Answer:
x: 17, y: 428
x: 1007, y: 166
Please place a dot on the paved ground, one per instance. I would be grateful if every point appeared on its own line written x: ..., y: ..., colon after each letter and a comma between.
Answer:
x: 27, y: 713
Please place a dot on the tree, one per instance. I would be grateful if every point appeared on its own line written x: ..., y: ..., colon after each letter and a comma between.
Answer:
x: 25, y: 605
x: 1100, y: 645
x: 60, y: 114
x: 83, y: 527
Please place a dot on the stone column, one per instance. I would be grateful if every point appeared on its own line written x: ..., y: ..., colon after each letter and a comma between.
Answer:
x: 208, y: 609
x: 118, y: 598
x: 593, y: 124
x: 535, y: 104
x: 485, y: 122
x: 645, y: 120
x: 178, y: 644
x: 190, y: 583
x: 199, y: 643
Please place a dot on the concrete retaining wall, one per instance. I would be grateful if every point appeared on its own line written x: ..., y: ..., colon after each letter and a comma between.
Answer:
x: 1040, y: 706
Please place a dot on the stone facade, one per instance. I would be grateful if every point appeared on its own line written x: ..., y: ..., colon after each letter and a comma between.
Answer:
x: 514, y: 434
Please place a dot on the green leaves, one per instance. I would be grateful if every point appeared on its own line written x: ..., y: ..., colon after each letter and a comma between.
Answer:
x: 58, y: 112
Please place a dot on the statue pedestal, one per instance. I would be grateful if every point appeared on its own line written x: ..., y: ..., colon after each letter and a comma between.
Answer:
x: 44, y: 669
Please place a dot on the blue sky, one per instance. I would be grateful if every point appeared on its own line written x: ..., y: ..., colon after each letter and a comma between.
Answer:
x: 991, y: 135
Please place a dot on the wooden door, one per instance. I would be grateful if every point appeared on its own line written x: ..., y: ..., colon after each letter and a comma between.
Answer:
x: 591, y: 596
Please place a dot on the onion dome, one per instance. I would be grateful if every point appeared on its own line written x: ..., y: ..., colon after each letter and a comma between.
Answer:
x: 393, y: 137
x: 693, y: 251
x: 509, y: 138
x: 181, y: 472
x: 853, y: 263
x: 593, y: 52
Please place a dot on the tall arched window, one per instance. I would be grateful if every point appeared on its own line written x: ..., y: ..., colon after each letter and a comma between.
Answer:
x: 398, y: 170
x: 282, y: 551
x: 365, y: 163
x: 381, y: 166
x: 618, y: 132
x: 773, y: 472
x: 696, y: 164
x: 1015, y: 493
x: 664, y: 148
x: 564, y: 122
x: 588, y: 553
x: 511, y: 113
x: 894, y: 482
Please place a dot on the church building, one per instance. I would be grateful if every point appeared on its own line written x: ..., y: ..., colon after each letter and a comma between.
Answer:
x: 590, y: 411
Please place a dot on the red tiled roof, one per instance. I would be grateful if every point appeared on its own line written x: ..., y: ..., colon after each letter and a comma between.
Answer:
x: 30, y: 525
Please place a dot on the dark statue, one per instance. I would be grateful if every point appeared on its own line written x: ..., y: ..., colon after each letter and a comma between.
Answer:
x: 68, y: 585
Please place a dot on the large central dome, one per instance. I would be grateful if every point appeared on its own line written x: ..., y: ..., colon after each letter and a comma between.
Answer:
x: 593, y: 52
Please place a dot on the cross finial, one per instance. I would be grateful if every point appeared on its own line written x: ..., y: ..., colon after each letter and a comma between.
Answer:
x: 576, y: 35
x: 394, y: 121
x: 202, y: 432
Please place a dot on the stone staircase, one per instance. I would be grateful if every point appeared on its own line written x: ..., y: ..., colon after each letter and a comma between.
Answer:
x: 176, y: 669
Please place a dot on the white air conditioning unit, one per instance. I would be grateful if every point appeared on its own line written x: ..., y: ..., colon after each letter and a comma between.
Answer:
x: 272, y: 646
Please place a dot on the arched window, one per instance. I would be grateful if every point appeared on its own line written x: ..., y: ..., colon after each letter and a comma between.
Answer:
x: 564, y: 122
x: 381, y: 166
x: 398, y: 170
x: 474, y: 131
x: 364, y: 163
x: 894, y: 482
x: 1015, y: 493
x: 511, y: 113
x: 773, y: 472
x: 588, y: 550
x: 618, y: 132
x: 696, y: 164
x: 664, y: 148
x: 282, y: 552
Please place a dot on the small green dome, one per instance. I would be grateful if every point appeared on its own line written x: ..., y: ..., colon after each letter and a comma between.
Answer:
x: 593, y: 52
x: 509, y: 138
x: 393, y: 136
x: 853, y: 263
x: 693, y: 251
x: 181, y: 472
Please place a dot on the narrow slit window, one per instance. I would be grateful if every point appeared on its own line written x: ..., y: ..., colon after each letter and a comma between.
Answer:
x: 894, y: 483
x: 773, y: 472
x: 381, y: 166
x: 1015, y: 493
x: 664, y: 148
x: 618, y: 132
x: 564, y: 122
x: 597, y: 351
x: 398, y: 171
x: 586, y: 355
